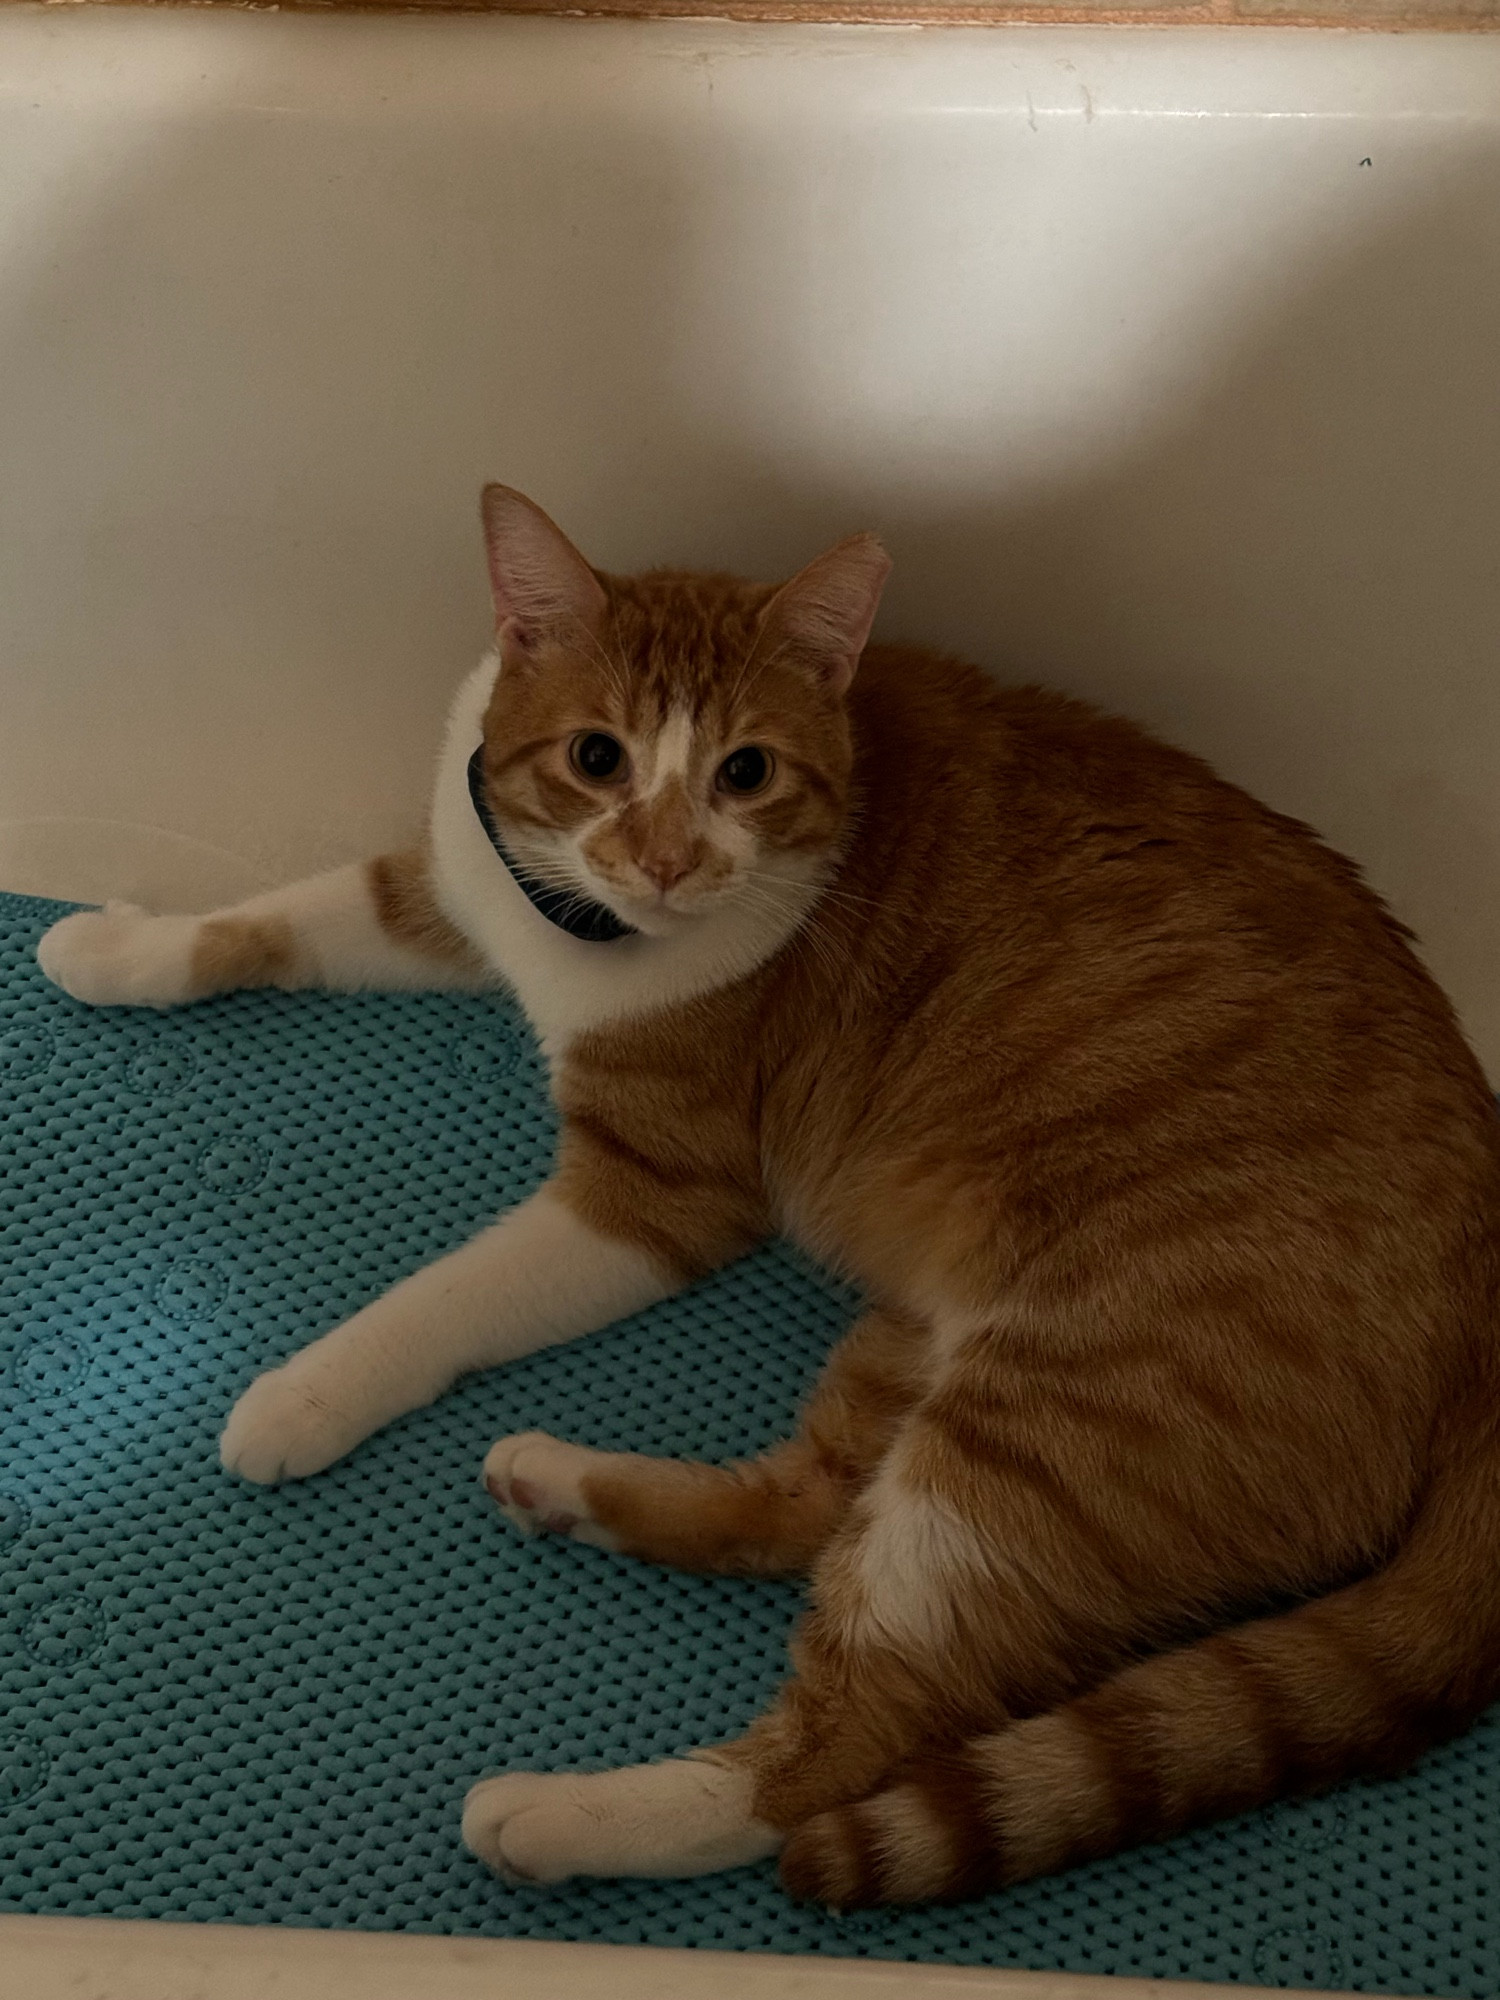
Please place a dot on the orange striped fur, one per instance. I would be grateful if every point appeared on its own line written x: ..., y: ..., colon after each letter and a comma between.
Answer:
x: 1162, y: 1477
x: 401, y: 890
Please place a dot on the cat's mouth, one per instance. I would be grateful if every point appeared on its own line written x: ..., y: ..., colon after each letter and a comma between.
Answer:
x: 639, y: 905
x: 660, y: 912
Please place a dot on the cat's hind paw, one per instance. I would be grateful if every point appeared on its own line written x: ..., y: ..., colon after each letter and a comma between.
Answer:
x: 688, y: 1816
x: 120, y: 957
x: 540, y: 1853
x: 539, y: 1483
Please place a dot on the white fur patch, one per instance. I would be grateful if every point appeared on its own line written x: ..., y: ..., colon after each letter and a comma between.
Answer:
x: 538, y: 1276
x: 687, y: 1817
x: 914, y: 1562
x: 671, y: 754
x: 121, y: 957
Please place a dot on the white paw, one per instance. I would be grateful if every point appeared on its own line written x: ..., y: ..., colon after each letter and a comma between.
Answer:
x: 538, y: 1481
x: 120, y: 957
x: 285, y: 1426
x: 492, y: 1826
x: 687, y: 1817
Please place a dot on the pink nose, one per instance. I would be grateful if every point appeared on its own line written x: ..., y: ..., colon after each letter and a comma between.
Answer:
x: 666, y: 870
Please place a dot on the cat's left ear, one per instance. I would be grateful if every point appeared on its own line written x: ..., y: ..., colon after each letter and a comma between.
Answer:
x: 823, y: 616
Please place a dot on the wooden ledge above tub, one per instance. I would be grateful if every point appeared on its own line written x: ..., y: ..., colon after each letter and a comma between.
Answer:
x: 1446, y: 16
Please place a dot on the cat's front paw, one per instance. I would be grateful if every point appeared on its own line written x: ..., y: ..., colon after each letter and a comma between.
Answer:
x: 120, y: 957
x: 538, y: 1482
x: 285, y: 1426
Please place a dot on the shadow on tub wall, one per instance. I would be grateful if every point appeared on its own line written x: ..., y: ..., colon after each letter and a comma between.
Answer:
x: 1191, y: 414
x: 1299, y: 575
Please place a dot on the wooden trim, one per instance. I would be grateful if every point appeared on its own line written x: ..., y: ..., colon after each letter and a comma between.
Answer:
x: 1387, y: 16
x: 99, y: 1958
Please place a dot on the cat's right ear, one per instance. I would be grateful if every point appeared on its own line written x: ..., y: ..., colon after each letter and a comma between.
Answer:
x: 543, y: 589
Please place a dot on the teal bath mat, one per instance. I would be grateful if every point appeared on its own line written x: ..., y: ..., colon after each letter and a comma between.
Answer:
x: 249, y: 1706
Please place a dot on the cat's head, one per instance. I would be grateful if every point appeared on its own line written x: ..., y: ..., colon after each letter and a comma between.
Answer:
x: 665, y: 743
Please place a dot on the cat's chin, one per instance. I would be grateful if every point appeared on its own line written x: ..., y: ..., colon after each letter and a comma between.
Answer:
x: 656, y: 924
x: 661, y: 920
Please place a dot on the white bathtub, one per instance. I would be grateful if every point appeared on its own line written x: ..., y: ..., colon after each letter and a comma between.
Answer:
x: 1168, y: 363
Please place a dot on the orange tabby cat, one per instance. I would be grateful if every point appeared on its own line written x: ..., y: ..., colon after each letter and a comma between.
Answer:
x: 1161, y: 1477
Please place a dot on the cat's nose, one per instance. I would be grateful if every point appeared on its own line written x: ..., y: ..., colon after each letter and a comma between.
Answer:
x: 667, y: 869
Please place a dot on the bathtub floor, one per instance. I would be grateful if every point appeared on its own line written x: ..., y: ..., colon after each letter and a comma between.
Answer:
x: 235, y: 1705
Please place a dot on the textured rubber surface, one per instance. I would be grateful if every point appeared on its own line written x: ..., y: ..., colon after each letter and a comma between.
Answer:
x: 222, y: 1702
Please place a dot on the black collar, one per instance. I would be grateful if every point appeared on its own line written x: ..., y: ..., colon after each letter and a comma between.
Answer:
x: 566, y: 908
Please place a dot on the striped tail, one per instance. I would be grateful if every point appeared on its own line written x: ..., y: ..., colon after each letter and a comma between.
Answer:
x: 1358, y: 1683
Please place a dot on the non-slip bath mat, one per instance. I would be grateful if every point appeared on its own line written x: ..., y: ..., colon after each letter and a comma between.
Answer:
x: 224, y: 1703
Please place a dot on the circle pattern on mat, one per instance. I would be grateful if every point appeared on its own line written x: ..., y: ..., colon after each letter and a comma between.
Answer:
x: 1298, y: 1958
x: 487, y: 1058
x: 48, y: 1365
x: 160, y: 1070
x: 1308, y: 1826
x: 233, y: 1166
x: 192, y: 1288
x: 25, y: 1052
x: 13, y: 1519
x: 23, y: 1768
x: 64, y: 1631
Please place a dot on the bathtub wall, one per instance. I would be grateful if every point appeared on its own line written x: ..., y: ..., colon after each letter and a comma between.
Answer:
x: 1166, y: 362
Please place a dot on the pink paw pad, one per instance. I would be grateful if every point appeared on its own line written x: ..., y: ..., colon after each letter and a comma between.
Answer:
x: 523, y: 1494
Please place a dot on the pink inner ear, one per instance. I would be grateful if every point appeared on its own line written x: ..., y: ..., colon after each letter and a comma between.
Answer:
x: 538, y: 580
x: 514, y: 635
x: 826, y: 611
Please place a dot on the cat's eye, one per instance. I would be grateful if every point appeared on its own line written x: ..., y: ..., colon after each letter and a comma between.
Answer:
x: 745, y: 771
x: 597, y: 757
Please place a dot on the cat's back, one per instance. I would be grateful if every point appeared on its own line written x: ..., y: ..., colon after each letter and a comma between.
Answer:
x: 1071, y: 958
x: 1051, y: 845
x: 1038, y: 788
